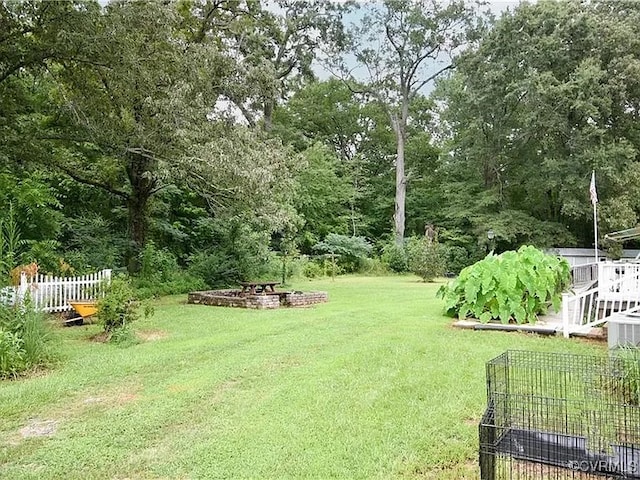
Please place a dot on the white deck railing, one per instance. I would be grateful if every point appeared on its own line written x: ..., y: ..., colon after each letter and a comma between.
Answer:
x: 52, y: 294
x: 618, y: 290
x: 618, y: 281
x: 584, y: 274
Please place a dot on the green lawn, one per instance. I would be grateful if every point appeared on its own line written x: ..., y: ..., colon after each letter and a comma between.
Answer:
x: 373, y: 384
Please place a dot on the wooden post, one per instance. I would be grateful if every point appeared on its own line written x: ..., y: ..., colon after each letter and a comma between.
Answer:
x: 565, y: 315
x: 333, y: 266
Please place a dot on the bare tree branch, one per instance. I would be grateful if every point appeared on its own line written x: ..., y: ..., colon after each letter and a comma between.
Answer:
x: 89, y: 181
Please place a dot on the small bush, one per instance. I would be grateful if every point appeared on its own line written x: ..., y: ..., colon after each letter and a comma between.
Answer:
x: 628, y: 390
x: 345, y: 252
x: 313, y: 269
x: 157, y: 265
x: 373, y: 266
x: 456, y: 258
x: 181, y: 282
x: 394, y: 257
x: 424, y: 258
x: 12, y: 356
x: 295, y: 267
x: 226, y: 266
x: 510, y: 286
x: 118, y: 308
x: 25, y: 339
x: 160, y: 274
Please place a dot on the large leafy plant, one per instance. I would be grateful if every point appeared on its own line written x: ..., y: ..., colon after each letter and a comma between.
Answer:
x: 511, y: 286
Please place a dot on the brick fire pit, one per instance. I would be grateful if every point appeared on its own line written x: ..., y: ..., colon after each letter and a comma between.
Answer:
x: 235, y: 298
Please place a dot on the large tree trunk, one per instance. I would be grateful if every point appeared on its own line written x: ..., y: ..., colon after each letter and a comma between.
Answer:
x: 137, y: 210
x: 401, y: 190
x: 269, y: 106
x: 399, y: 124
x: 142, y: 181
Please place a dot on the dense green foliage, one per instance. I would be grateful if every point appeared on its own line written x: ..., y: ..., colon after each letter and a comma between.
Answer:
x: 629, y: 358
x: 425, y: 258
x: 401, y: 46
x: 118, y: 308
x: 25, y: 340
x: 550, y: 94
x: 512, y: 286
x: 190, y: 143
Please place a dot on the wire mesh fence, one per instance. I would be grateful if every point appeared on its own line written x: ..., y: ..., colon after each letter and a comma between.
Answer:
x: 560, y: 416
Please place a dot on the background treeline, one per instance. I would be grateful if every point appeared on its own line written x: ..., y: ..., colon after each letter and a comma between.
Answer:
x: 190, y: 142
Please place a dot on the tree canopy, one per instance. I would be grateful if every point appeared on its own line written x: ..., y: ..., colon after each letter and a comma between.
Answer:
x: 547, y: 97
x: 195, y: 135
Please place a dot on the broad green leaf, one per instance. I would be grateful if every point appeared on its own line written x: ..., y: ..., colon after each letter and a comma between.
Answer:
x: 520, y: 314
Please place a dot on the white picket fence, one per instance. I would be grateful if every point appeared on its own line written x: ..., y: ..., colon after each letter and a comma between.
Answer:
x: 52, y: 294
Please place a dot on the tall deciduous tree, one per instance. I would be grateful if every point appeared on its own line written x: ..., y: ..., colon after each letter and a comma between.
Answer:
x: 127, y: 114
x: 550, y: 94
x: 403, y: 46
x: 36, y: 32
x: 356, y: 130
x: 34, y: 35
x: 138, y: 118
x: 271, y: 45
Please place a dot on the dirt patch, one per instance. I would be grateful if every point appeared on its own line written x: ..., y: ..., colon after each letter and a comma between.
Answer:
x: 102, y: 337
x: 151, y: 335
x: 472, y: 422
x: 39, y: 428
x: 127, y: 395
x: 179, y: 388
x: 282, y: 363
x: 91, y: 400
x: 125, y: 398
x: 115, y: 400
x: 71, y: 410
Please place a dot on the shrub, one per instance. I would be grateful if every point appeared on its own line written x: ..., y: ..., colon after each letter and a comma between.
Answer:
x: 158, y: 265
x: 241, y: 258
x: 424, y: 258
x: 92, y: 242
x: 181, y: 282
x: 373, y: 266
x: 513, y: 285
x: 12, y: 359
x: 456, y: 258
x: 295, y: 267
x: 25, y: 339
x: 628, y: 390
x: 346, y: 251
x: 118, y: 308
x: 313, y: 269
x: 394, y: 257
x: 160, y: 274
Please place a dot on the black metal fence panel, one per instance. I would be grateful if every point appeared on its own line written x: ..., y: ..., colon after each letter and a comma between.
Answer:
x: 561, y: 416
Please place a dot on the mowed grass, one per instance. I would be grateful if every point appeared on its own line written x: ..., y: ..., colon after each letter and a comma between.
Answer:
x: 373, y: 384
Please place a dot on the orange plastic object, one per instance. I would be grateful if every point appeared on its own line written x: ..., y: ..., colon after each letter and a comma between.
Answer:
x: 85, y: 308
